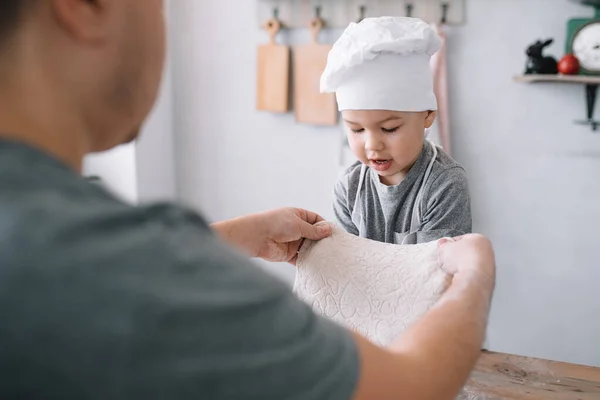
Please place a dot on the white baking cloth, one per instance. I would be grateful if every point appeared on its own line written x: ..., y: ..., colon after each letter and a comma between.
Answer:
x: 377, y: 289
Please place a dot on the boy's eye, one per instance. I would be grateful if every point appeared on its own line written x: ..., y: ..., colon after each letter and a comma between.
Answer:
x: 357, y: 130
x: 390, y: 130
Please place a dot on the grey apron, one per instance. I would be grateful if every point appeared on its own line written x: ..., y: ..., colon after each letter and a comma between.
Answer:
x: 416, y: 217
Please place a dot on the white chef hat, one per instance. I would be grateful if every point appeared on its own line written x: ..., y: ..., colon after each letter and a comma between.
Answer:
x: 383, y: 64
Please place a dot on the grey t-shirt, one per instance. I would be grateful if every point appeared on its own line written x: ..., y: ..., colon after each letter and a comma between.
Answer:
x: 102, y: 300
x: 387, y: 210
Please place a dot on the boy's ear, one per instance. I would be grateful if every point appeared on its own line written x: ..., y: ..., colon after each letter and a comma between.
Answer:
x: 430, y: 118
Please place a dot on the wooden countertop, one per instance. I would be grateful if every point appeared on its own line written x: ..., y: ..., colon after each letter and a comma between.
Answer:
x: 505, y: 376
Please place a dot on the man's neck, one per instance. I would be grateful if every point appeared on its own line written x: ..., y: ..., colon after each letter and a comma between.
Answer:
x: 68, y: 153
x: 34, y: 113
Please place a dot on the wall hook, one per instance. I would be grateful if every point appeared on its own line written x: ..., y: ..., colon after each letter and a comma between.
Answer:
x: 362, y: 12
x: 445, y: 7
x: 409, y: 9
x: 318, y: 12
x: 317, y: 24
x: 273, y: 26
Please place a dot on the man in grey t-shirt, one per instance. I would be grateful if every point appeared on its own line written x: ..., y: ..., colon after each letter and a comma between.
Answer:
x: 103, y: 300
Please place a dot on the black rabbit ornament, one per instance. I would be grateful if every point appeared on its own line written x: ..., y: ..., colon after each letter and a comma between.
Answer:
x: 537, y: 63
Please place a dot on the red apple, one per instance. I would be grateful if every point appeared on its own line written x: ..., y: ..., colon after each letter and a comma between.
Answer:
x: 568, y: 65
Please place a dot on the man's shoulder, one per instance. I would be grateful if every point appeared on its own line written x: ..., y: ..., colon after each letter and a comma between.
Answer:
x: 50, y: 215
x: 64, y: 217
x: 102, y: 247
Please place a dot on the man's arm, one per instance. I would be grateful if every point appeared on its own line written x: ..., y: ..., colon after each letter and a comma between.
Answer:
x: 238, y: 233
x: 433, y: 359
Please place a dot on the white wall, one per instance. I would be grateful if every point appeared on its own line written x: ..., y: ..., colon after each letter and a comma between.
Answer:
x: 117, y: 169
x: 533, y: 173
x: 155, y: 158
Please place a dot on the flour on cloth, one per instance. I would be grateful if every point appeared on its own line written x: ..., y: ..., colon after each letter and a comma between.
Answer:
x: 377, y: 289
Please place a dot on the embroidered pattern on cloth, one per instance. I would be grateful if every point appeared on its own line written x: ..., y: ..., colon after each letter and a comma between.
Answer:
x: 374, y: 288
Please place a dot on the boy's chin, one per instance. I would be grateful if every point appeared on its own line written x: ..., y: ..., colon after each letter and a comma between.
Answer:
x: 391, y: 177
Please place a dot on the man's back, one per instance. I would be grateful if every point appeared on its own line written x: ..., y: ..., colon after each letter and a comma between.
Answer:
x: 103, y: 300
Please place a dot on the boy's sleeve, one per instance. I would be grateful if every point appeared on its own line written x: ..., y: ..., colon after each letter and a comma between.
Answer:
x: 341, y: 209
x: 448, y: 212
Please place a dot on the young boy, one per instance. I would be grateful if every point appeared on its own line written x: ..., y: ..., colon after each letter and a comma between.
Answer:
x: 403, y: 189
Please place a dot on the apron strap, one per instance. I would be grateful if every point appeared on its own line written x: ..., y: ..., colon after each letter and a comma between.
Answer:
x: 356, y: 216
x: 416, y: 218
x: 361, y: 179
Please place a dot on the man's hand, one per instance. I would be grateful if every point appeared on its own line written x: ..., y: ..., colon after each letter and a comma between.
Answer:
x: 468, y: 256
x: 275, y: 235
x: 284, y: 230
x: 433, y: 358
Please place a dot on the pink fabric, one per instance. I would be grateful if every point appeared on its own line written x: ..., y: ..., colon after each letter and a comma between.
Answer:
x: 440, y: 85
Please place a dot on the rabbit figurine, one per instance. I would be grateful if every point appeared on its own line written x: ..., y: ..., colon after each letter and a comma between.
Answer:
x: 538, y: 63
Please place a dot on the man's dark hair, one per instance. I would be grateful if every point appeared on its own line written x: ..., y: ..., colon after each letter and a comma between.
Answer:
x: 10, y: 13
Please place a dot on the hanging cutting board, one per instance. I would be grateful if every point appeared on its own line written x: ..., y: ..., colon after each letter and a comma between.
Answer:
x: 311, y: 106
x: 273, y: 74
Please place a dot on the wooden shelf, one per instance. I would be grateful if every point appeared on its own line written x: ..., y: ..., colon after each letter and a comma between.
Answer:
x: 583, y: 79
x: 591, y: 88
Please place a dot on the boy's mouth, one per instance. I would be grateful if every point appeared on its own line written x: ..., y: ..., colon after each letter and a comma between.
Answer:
x: 381, y: 165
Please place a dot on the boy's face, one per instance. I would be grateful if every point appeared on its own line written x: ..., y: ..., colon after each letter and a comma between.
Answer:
x: 387, y: 141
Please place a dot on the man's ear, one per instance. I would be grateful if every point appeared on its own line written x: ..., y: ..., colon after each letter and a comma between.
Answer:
x: 84, y: 20
x: 430, y: 118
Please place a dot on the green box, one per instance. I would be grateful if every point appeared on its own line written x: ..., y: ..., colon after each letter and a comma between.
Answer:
x: 573, y: 26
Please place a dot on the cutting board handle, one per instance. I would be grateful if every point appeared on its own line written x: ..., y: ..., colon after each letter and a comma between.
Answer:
x: 272, y: 26
x: 316, y: 25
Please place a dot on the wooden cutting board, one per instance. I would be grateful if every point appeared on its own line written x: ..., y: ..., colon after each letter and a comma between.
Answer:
x: 273, y: 73
x: 311, y: 106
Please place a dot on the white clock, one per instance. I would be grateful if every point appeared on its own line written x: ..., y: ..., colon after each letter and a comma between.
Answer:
x: 586, y: 46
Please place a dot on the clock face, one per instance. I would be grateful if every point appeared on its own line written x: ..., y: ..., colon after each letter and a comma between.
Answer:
x: 586, y: 46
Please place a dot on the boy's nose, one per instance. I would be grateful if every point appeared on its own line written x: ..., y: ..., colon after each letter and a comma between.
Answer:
x: 373, y: 143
